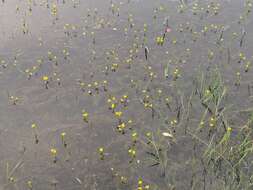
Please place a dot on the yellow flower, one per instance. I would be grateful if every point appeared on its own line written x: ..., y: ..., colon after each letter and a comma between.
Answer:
x: 123, y: 179
x: 63, y: 134
x: 82, y: 84
x: 29, y: 184
x: 132, y: 152
x: 101, y: 153
x: 121, y: 126
x: 134, y: 136
x: 53, y: 151
x: 212, y: 122
x: 159, y: 40
x: 95, y: 83
x: 85, y: 116
x: 174, y: 41
x: 173, y: 122
x: 54, y: 10
x: 167, y: 134
x: 113, y: 106
x: 168, y: 99
x: 45, y: 78
x: 140, y: 182
x: 242, y: 56
x: 101, y: 150
x: 12, y: 179
x: 148, y: 134
x: 130, y: 121
x: 118, y: 114
x: 33, y: 126
x: 207, y: 92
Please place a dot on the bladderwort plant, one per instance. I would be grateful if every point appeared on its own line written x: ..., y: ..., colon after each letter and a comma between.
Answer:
x: 226, y: 153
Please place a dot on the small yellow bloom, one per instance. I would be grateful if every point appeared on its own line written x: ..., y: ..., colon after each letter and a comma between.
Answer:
x: 85, y: 116
x: 95, y: 84
x: 140, y: 182
x: 63, y: 134
x: 118, y: 114
x: 148, y: 134
x: 33, y: 126
x: 123, y: 179
x: 12, y: 179
x: 53, y: 151
x: 134, y: 136
x: 113, y: 106
x: 207, y: 92
x: 29, y: 184
x: 101, y: 150
x: 132, y: 152
x: 121, y: 126
x: 45, y: 78
x: 167, y: 134
x: 212, y: 122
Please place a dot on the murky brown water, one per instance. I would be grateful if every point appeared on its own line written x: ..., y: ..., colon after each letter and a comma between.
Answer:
x: 80, y: 44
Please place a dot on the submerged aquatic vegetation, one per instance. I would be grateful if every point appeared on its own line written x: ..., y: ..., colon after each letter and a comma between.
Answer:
x: 166, y: 86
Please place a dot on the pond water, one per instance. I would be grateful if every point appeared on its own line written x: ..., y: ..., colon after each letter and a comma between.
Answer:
x: 131, y: 94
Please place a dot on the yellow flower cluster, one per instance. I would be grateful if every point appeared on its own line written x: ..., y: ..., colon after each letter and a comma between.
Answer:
x: 112, y: 103
x: 121, y: 128
x: 142, y: 186
x: 159, y: 40
x: 212, y: 122
x: 132, y: 152
x: 85, y: 116
x: 101, y: 153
